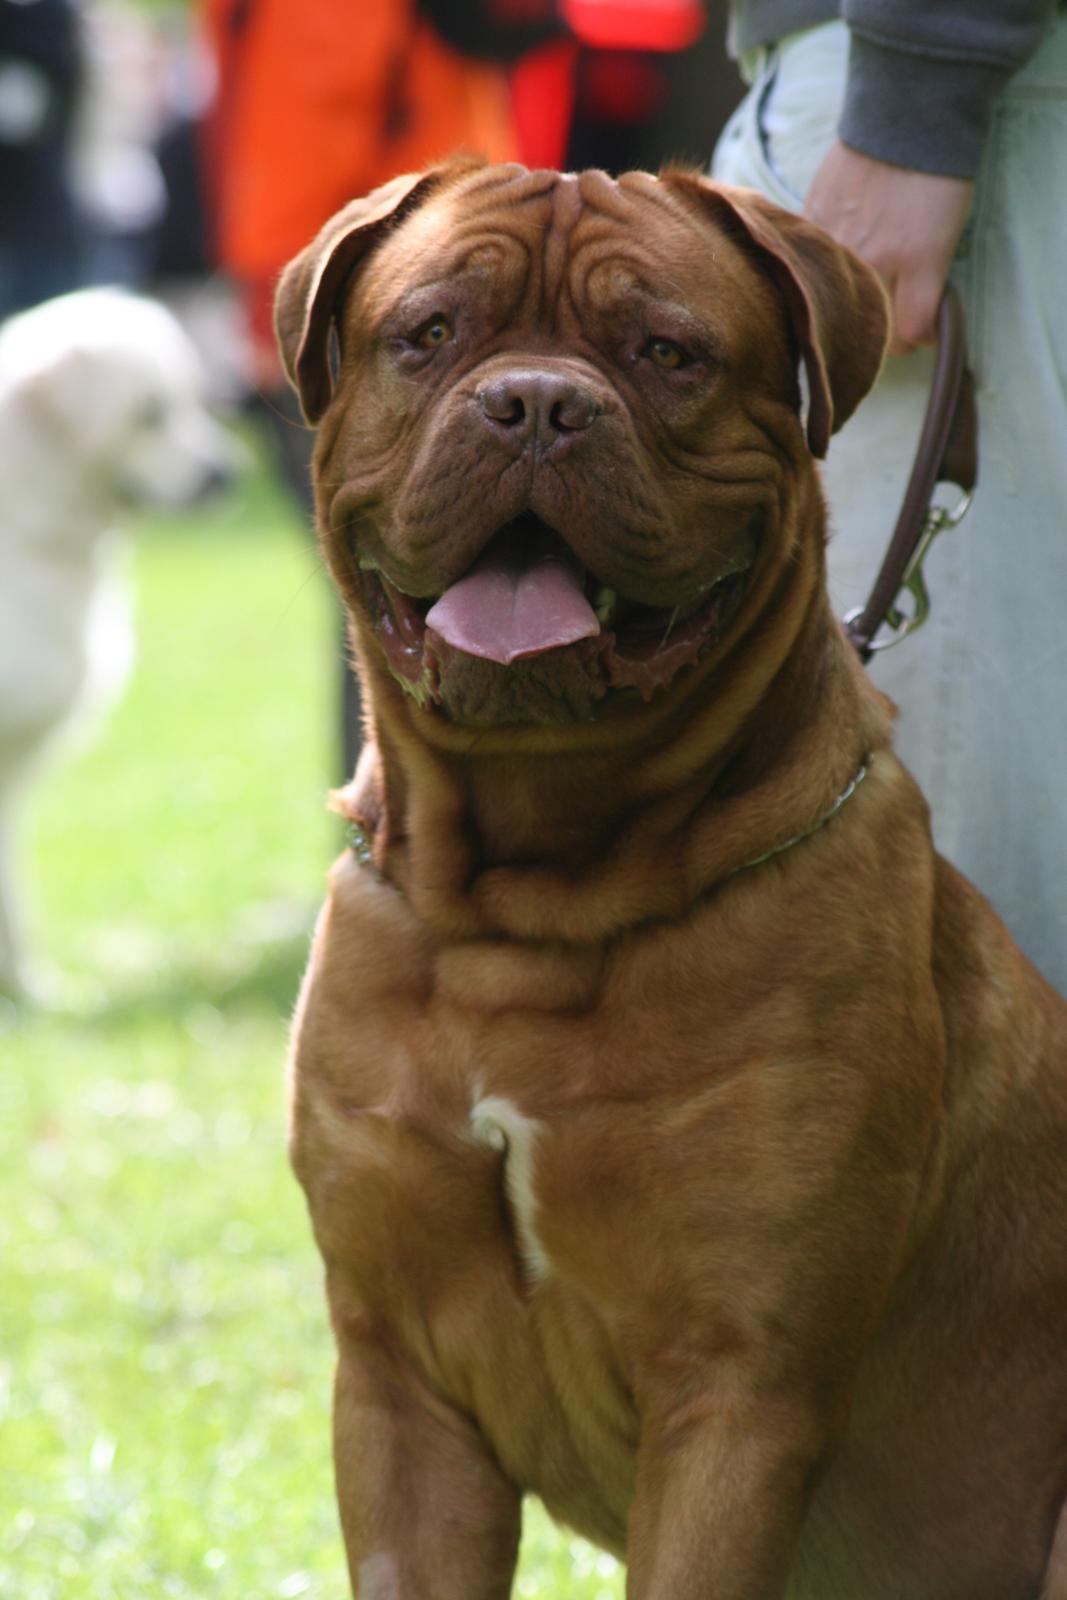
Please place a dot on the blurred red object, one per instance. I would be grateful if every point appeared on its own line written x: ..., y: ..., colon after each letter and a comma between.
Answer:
x: 542, y: 102
x: 319, y: 102
x: 623, y: 87
x: 635, y: 24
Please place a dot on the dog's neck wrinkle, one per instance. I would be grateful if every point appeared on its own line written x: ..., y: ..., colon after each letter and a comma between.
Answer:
x: 802, y: 702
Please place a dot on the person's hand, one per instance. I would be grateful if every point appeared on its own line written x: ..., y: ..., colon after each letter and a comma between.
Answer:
x: 905, y: 224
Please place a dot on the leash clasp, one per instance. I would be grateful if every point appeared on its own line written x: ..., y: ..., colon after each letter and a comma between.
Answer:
x: 901, y: 621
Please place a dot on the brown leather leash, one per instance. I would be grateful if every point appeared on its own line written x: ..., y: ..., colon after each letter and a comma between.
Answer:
x: 947, y: 453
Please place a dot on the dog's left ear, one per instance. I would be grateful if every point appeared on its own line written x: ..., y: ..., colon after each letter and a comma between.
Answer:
x: 837, y: 307
x: 311, y: 289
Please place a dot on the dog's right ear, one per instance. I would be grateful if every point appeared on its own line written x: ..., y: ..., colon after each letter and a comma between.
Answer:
x: 835, y: 303
x: 311, y: 288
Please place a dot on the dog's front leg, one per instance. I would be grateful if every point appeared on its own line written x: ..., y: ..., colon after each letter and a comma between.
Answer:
x: 427, y: 1513
x: 722, y: 1483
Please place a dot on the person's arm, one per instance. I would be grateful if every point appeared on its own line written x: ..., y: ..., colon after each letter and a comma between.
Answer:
x: 897, y: 185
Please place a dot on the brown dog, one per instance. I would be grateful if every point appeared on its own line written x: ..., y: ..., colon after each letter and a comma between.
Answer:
x: 684, y: 1140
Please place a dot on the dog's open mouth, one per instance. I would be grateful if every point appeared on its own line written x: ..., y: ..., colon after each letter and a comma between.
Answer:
x: 527, y: 610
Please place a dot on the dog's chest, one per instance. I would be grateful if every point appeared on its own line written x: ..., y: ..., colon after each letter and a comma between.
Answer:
x: 494, y: 1114
x: 461, y: 1179
x: 529, y: 1183
x: 466, y: 1132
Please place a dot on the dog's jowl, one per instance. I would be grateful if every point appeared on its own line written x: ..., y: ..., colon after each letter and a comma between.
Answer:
x: 683, y: 1139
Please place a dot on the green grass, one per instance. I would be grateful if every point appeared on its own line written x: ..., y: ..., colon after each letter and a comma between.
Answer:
x: 165, y: 1360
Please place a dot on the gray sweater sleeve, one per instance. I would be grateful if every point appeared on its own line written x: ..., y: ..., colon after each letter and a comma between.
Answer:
x: 923, y: 75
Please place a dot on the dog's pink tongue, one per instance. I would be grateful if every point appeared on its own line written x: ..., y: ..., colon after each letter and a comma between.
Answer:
x: 519, y: 599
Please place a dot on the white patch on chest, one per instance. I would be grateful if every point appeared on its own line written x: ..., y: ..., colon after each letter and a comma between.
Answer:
x: 503, y: 1127
x: 379, y: 1577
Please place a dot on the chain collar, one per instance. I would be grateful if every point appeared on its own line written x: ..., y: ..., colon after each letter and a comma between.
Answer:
x: 842, y: 800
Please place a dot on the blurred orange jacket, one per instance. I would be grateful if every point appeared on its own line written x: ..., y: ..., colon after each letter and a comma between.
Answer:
x: 319, y: 101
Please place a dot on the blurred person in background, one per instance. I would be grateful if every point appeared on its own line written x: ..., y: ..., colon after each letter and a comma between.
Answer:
x: 43, y: 238
x: 118, y: 178
x: 98, y: 179
x: 930, y: 139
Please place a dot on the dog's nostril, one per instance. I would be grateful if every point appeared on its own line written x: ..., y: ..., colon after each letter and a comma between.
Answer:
x: 573, y: 413
x: 502, y: 403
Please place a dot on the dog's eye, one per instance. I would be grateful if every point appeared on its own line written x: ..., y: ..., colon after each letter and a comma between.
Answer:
x: 436, y: 332
x: 666, y: 354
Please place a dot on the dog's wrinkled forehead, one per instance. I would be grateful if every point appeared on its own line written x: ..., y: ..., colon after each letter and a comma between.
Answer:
x: 548, y: 247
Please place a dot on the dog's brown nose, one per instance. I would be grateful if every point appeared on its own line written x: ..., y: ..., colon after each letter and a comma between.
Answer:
x: 537, y: 408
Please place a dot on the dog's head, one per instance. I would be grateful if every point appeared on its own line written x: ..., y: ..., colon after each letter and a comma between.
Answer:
x: 110, y: 381
x: 562, y: 438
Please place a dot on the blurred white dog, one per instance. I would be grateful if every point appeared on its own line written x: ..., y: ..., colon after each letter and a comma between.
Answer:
x: 101, y: 410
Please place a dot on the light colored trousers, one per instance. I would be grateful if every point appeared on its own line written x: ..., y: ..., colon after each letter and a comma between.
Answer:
x: 982, y: 688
